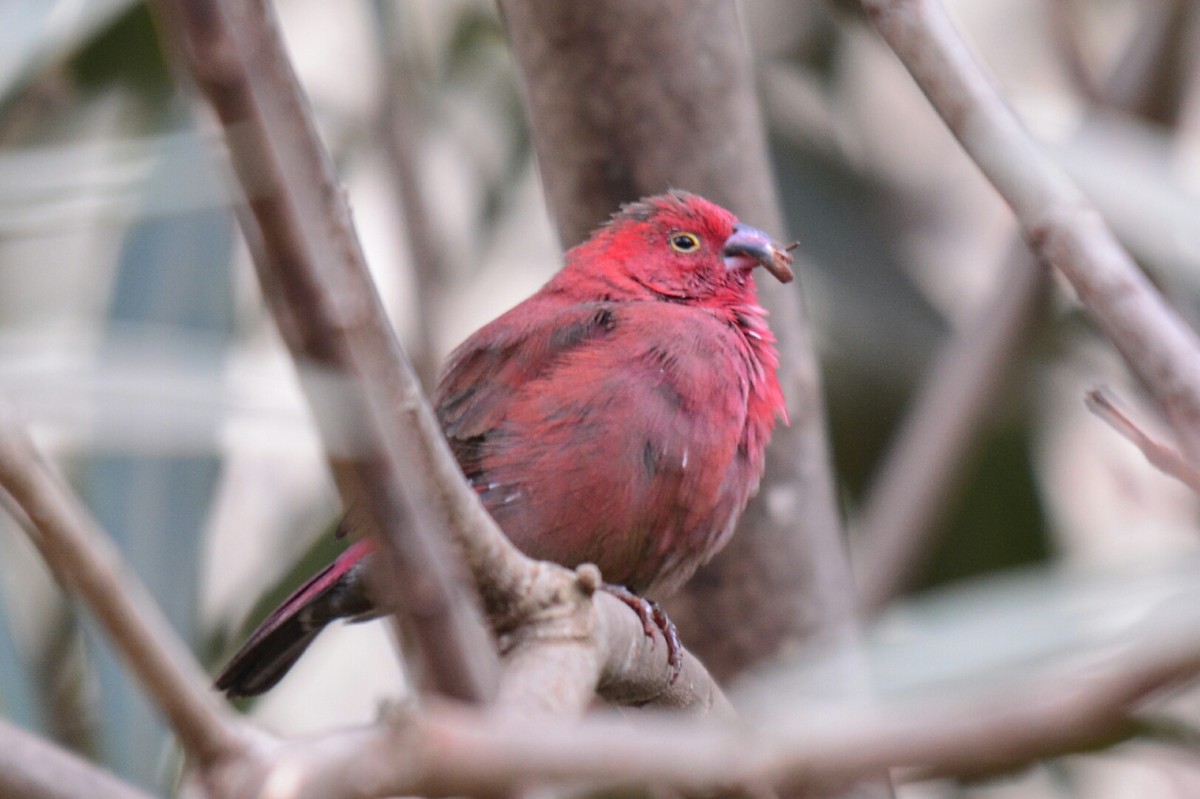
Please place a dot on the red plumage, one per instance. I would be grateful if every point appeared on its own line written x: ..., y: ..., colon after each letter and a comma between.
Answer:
x: 619, y: 416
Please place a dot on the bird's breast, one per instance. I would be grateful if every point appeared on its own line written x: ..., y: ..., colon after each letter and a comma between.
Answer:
x: 632, y: 450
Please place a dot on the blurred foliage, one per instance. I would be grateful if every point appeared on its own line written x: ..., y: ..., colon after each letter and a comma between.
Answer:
x: 127, y: 54
x: 900, y: 237
x: 997, y: 521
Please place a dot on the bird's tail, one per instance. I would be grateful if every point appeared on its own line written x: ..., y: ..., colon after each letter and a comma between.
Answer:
x: 338, y: 591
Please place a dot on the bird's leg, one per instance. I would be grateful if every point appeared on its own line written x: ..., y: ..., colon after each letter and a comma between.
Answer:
x: 653, y: 617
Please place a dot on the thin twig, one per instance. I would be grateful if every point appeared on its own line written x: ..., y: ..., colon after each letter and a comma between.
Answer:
x: 401, y: 138
x: 1166, y: 459
x: 1063, y: 24
x: 1153, y: 77
x: 32, y: 768
x: 88, y: 564
x: 1057, y: 220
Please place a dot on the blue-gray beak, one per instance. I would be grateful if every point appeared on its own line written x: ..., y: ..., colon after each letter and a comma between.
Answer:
x: 749, y: 247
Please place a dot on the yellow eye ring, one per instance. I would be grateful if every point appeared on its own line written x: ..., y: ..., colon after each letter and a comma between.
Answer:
x: 684, y: 242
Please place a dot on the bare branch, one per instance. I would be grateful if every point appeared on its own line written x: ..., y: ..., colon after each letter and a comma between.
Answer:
x: 32, y: 768
x: 924, y: 464
x: 1166, y: 459
x: 1057, y: 220
x: 405, y: 485
x: 626, y: 666
x: 86, y: 563
x: 453, y: 751
x: 589, y: 644
x: 401, y: 137
x: 633, y: 674
x: 1063, y: 24
x: 1154, y: 73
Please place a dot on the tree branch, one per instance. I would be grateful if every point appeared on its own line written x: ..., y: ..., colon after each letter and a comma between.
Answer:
x: 1058, y: 222
x: 557, y: 661
x: 452, y: 751
x: 86, y: 563
x: 1166, y: 459
x: 401, y: 481
x: 32, y: 768
x: 401, y: 144
x: 628, y: 98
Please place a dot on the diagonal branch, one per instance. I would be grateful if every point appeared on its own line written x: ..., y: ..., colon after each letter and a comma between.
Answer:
x: 620, y: 662
x: 399, y: 479
x: 924, y: 465
x: 35, y: 769
x: 1163, y: 457
x: 1059, y: 223
x: 87, y: 563
x: 401, y: 144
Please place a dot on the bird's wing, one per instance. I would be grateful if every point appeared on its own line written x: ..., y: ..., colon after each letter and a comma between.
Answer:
x: 497, y: 361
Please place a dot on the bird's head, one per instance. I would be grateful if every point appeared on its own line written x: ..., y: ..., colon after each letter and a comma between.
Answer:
x: 680, y: 246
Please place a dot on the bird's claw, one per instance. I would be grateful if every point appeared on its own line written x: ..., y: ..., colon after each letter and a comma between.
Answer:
x: 653, y: 618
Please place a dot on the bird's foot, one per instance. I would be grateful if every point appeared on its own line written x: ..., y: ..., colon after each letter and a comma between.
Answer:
x: 653, y: 618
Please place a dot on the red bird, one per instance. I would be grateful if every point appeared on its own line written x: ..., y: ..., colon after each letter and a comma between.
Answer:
x: 619, y: 416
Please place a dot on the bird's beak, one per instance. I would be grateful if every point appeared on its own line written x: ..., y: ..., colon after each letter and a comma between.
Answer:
x: 749, y: 247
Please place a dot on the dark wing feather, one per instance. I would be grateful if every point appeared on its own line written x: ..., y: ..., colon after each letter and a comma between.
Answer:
x: 337, y: 591
x: 494, y: 364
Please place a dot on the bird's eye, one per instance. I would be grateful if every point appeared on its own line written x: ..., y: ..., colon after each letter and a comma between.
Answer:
x: 685, y: 242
